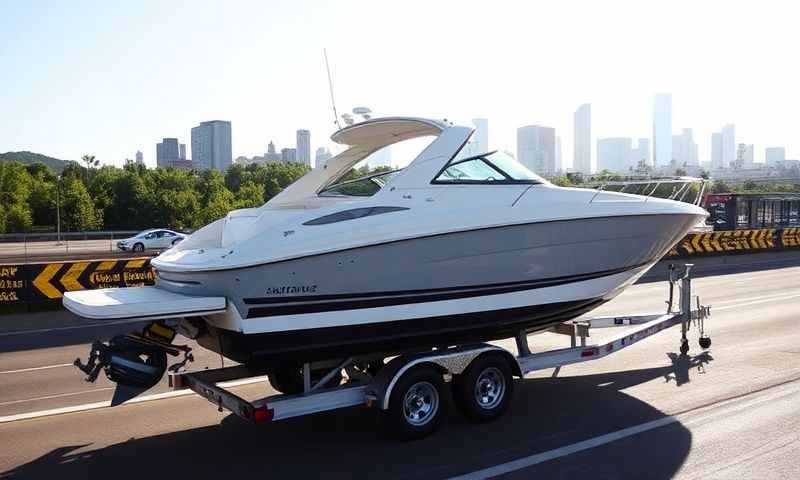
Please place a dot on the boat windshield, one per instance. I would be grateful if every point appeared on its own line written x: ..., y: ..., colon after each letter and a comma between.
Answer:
x: 492, y: 167
x: 360, y: 187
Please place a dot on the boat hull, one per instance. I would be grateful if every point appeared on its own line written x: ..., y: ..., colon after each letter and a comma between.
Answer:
x: 445, y: 289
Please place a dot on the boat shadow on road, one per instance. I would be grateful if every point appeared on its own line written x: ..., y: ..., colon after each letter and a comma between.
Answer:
x: 547, y: 413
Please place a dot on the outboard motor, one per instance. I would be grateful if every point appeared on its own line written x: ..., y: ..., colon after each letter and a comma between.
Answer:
x: 132, y: 360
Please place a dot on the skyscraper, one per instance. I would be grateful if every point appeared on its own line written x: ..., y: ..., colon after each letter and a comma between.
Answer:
x: 582, y: 161
x: 559, y: 164
x: 304, y: 147
x: 716, y: 151
x: 662, y: 129
x: 322, y: 156
x: 289, y: 154
x: 140, y: 156
x: 481, y: 135
x: 614, y: 154
x: 536, y: 148
x: 684, y: 150
x: 182, y: 153
x: 744, y: 156
x: 774, y: 155
x: 728, y: 145
x: 167, y: 152
x: 211, y: 145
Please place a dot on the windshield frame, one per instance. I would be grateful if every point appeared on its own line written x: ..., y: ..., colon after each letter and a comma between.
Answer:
x: 507, y: 179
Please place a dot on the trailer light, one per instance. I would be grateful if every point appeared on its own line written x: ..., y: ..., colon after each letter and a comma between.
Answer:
x: 263, y: 414
x: 588, y: 353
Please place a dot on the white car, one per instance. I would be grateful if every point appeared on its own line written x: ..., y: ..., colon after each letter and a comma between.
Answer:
x: 153, y: 239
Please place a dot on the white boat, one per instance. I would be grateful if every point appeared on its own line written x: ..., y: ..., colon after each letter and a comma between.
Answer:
x: 446, y: 251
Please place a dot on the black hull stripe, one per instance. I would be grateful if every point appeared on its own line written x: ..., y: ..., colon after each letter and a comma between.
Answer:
x: 395, y: 293
x: 405, y: 298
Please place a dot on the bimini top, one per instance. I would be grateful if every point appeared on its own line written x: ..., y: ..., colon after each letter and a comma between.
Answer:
x: 388, y: 130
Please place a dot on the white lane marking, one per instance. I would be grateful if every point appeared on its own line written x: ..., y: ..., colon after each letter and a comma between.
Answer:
x: 58, y: 395
x: 754, y: 302
x: 107, y: 403
x: 76, y: 327
x: 33, y: 369
x: 722, y: 409
x: 760, y: 297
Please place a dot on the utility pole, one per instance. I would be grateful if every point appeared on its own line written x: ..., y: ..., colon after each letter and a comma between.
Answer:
x: 58, y: 210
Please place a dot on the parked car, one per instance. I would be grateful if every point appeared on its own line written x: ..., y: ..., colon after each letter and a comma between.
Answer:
x: 153, y: 239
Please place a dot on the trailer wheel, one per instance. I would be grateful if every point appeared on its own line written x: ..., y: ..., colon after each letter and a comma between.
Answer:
x: 416, y: 405
x: 483, y: 392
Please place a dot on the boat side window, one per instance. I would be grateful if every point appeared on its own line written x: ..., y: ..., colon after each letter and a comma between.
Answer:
x: 352, y: 214
x: 488, y: 168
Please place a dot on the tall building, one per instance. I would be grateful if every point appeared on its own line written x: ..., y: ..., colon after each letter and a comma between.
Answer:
x: 167, y: 152
x: 559, y: 163
x: 272, y: 155
x: 728, y: 145
x: 582, y: 161
x: 481, y: 135
x: 140, y: 156
x: 662, y: 129
x: 289, y: 154
x: 684, y: 149
x: 716, y: 151
x: 304, y: 147
x: 322, y: 156
x: 536, y: 147
x: 774, y: 155
x: 182, y: 153
x: 211, y: 145
x: 744, y: 156
x: 614, y: 154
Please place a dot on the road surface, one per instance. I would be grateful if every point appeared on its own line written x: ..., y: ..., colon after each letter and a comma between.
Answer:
x: 645, y: 412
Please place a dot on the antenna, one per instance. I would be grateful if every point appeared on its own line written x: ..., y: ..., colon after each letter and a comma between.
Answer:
x: 330, y: 85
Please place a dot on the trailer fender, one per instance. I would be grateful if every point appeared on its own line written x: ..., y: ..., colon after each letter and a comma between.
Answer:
x: 452, y: 361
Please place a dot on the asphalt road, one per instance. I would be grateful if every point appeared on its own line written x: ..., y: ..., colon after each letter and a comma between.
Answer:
x: 645, y: 412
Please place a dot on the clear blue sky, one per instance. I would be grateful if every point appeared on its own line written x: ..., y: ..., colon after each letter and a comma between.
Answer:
x: 109, y: 78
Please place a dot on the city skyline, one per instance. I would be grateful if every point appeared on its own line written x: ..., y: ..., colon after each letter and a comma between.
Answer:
x: 113, y: 114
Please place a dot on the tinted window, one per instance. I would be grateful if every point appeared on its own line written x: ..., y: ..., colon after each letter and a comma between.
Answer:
x: 352, y: 215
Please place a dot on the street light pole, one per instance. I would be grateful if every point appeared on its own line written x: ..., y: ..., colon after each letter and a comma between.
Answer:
x: 58, y: 210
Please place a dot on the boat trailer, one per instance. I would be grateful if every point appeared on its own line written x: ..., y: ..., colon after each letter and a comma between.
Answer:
x: 409, y: 389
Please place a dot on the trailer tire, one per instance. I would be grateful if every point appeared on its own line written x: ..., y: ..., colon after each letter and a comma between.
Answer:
x: 417, y: 404
x: 484, y: 391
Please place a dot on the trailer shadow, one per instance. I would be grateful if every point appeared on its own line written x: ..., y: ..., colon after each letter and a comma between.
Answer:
x: 547, y: 413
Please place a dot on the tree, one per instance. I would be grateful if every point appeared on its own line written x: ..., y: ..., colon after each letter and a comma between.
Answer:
x: 79, y: 213
x: 250, y: 195
x: 680, y: 172
x: 720, y: 187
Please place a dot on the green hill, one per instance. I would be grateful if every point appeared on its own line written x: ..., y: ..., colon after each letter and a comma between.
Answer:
x: 55, y: 164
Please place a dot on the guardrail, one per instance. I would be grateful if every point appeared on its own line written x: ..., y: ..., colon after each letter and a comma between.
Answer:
x: 729, y: 242
x: 31, y: 283
x: 32, y: 246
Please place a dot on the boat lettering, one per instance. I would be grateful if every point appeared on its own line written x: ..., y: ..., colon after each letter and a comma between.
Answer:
x: 289, y: 289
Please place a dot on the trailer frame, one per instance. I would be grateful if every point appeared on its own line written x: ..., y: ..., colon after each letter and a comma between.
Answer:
x: 450, y: 363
